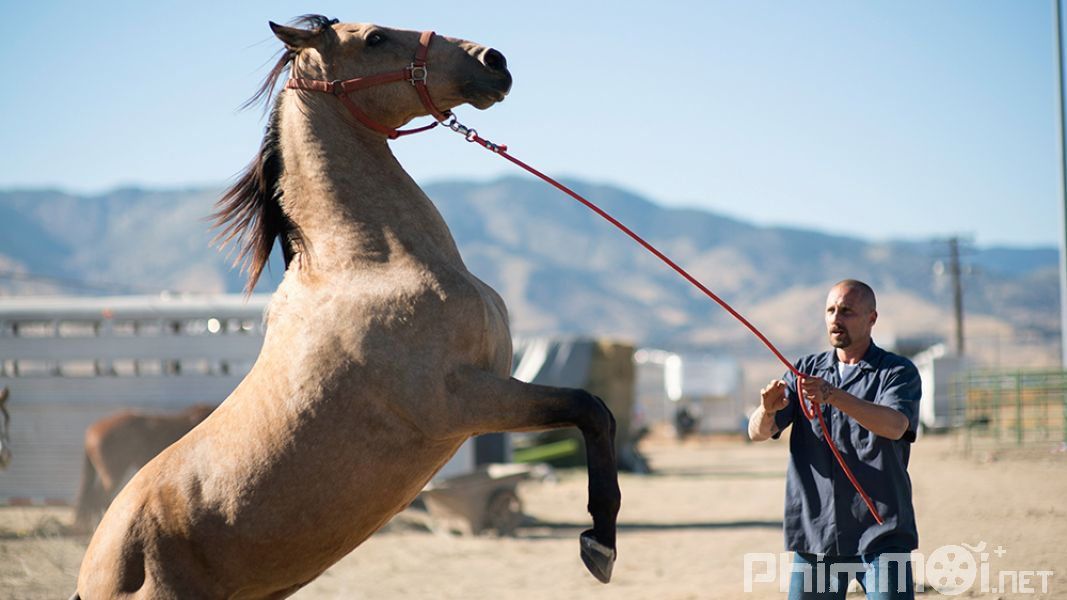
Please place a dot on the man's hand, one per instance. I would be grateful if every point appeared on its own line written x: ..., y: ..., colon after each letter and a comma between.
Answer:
x: 879, y: 420
x: 818, y: 390
x: 773, y: 398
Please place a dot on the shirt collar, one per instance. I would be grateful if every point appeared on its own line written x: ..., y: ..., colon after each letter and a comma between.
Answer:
x: 872, y: 357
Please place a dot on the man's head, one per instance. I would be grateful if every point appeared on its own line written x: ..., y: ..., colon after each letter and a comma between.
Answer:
x: 851, y: 311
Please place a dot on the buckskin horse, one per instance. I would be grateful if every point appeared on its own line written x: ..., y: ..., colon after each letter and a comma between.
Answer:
x: 122, y: 442
x: 382, y: 352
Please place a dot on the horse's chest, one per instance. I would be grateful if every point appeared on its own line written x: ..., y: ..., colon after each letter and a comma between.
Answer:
x: 419, y: 307
x: 388, y: 319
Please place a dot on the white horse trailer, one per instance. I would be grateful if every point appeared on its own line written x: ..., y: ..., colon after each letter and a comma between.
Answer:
x: 71, y: 361
x: 939, y: 370
x: 706, y: 385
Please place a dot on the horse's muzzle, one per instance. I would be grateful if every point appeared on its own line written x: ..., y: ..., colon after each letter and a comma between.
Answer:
x: 494, y: 60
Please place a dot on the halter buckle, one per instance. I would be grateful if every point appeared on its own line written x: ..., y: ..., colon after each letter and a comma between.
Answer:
x: 417, y: 74
x: 337, y: 87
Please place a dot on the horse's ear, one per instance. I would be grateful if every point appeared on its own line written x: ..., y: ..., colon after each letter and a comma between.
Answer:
x: 292, y: 37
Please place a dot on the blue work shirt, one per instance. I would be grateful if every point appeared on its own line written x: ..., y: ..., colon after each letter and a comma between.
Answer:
x: 823, y: 512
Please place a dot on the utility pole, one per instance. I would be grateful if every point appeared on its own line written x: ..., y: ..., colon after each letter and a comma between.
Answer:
x: 1058, y: 29
x: 957, y: 289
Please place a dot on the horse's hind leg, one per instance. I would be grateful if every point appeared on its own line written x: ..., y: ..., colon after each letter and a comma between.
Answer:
x: 483, y: 403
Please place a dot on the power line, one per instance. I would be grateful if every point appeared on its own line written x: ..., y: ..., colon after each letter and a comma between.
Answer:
x: 955, y: 270
x: 1058, y: 29
x: 957, y: 290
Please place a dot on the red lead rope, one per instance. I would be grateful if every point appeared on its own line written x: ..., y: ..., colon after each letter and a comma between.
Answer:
x: 471, y: 135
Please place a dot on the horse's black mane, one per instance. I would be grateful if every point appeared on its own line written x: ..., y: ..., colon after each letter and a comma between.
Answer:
x: 250, y: 211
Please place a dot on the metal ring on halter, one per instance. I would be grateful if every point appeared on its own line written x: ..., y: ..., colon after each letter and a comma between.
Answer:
x: 472, y: 135
x: 417, y: 74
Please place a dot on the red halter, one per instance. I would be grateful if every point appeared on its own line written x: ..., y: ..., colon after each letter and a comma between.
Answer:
x: 415, y: 73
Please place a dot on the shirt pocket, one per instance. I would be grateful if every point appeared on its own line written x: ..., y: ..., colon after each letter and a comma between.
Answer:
x: 863, y: 441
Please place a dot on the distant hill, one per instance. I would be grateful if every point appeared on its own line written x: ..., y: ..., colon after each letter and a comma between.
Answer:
x: 562, y: 269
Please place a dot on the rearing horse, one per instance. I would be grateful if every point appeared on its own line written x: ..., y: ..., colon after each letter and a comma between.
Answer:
x: 382, y: 353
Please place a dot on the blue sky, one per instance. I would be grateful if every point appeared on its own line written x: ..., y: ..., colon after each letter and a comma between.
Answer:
x: 879, y: 119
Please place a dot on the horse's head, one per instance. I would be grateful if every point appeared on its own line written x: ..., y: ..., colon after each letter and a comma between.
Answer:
x: 383, y: 77
x: 5, y: 450
x: 454, y: 71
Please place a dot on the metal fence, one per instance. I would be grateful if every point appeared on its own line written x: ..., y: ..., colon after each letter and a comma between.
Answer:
x: 1021, y: 408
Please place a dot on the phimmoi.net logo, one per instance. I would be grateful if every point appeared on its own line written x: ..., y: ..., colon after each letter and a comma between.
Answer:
x: 950, y: 570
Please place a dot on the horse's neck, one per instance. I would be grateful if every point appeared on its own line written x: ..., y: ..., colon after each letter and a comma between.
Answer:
x: 351, y: 199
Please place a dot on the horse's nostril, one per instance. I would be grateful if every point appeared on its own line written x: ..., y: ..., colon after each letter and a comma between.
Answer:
x: 494, y: 60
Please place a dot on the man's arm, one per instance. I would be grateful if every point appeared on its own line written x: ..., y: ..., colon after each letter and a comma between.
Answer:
x: 761, y: 424
x: 880, y: 420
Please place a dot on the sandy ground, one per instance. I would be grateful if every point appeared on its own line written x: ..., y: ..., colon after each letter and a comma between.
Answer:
x: 684, y: 531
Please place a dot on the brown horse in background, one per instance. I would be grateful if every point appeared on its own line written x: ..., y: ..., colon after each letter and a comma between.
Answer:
x: 5, y: 441
x: 121, y: 443
x: 383, y: 353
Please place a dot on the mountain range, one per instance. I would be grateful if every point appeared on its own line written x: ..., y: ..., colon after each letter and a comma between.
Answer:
x: 563, y: 270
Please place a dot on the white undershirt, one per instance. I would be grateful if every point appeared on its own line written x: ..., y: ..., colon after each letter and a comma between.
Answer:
x: 844, y: 371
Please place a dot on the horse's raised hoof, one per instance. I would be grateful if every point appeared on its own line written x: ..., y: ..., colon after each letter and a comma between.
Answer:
x: 598, y: 558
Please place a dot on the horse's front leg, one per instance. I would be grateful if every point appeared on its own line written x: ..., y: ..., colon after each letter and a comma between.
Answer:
x: 481, y: 402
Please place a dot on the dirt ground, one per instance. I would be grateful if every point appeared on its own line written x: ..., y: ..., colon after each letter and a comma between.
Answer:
x: 684, y: 531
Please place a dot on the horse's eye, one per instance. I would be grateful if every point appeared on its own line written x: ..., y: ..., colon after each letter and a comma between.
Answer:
x: 375, y: 39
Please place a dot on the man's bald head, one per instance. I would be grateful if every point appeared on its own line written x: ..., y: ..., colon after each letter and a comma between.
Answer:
x: 863, y: 292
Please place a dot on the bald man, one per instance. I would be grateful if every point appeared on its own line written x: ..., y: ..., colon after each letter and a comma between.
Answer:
x: 869, y: 399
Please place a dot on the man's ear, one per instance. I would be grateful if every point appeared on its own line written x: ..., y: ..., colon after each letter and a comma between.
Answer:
x: 874, y: 317
x: 293, y: 38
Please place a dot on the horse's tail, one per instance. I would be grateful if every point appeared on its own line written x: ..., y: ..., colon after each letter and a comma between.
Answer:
x: 88, y: 496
